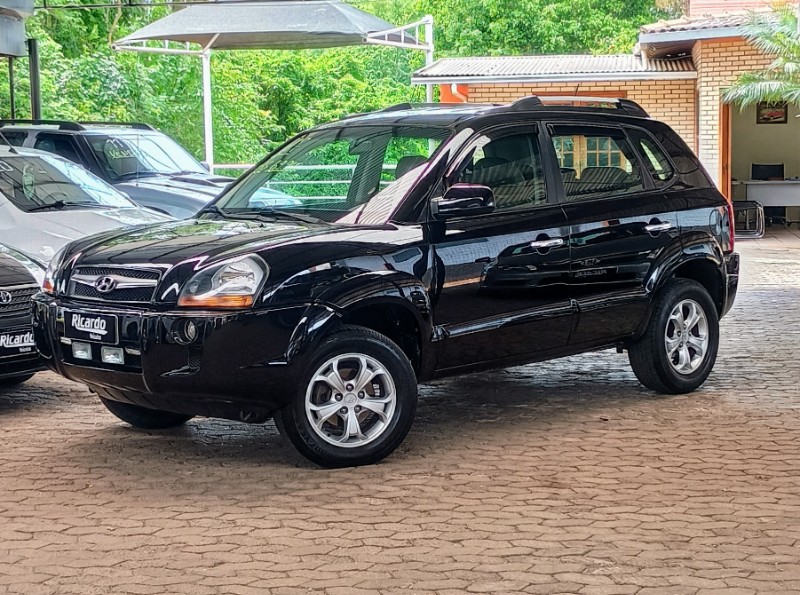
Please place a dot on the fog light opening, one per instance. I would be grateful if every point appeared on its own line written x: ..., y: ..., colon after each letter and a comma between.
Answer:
x: 81, y: 350
x: 185, y: 332
x: 112, y: 355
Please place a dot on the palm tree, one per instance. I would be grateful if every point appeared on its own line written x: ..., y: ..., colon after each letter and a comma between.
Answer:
x: 776, y: 34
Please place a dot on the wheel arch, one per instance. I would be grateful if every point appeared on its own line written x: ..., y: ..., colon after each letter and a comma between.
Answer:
x: 393, y: 304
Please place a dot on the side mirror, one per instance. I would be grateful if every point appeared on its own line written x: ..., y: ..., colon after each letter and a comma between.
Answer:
x: 464, y: 200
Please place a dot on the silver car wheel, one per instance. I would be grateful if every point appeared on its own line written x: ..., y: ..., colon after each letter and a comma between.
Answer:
x: 686, y: 337
x: 350, y: 400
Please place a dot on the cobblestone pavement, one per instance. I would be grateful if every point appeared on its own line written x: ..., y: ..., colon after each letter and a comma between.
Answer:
x: 565, y: 477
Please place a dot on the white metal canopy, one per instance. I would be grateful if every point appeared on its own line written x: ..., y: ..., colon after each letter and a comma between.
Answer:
x: 278, y: 24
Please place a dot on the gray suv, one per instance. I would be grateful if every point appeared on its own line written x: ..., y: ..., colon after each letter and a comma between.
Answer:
x: 149, y: 166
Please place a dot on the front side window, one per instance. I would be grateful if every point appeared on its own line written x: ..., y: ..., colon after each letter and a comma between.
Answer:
x: 511, y: 166
x: 355, y: 174
x: 138, y: 154
x: 50, y: 183
x: 595, y: 163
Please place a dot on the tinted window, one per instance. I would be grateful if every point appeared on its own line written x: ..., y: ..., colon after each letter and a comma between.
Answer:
x: 351, y: 174
x: 511, y: 166
x: 50, y: 183
x: 595, y: 163
x: 15, y: 139
x: 655, y: 158
x: 133, y: 155
x: 59, y: 144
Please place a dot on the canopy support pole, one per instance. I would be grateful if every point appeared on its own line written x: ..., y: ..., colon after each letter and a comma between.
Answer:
x: 428, y: 20
x: 208, y: 130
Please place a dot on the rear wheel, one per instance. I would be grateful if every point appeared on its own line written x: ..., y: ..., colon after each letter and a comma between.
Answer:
x: 679, y: 348
x: 355, y: 403
x: 14, y: 380
x: 142, y: 417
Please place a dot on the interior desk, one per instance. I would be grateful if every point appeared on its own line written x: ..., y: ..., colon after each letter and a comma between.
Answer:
x: 773, y: 193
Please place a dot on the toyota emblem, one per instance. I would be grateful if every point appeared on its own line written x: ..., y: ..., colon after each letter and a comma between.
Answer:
x: 105, y: 284
x: 5, y: 297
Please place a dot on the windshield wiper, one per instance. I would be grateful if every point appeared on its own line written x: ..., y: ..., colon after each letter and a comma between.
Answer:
x: 137, y: 174
x: 271, y: 214
x: 60, y: 204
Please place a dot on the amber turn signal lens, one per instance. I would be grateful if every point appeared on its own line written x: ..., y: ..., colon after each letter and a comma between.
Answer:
x: 221, y: 301
x: 47, y: 286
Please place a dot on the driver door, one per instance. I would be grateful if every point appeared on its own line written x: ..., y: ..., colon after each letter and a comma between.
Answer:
x: 502, y: 278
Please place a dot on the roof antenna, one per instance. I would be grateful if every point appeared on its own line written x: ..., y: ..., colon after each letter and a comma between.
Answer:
x: 11, y: 148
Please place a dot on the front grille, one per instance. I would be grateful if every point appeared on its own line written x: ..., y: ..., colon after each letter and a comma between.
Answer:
x: 82, y: 284
x: 20, y: 302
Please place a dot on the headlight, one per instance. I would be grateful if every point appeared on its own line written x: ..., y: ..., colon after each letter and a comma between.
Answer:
x: 231, y: 284
x: 49, y: 282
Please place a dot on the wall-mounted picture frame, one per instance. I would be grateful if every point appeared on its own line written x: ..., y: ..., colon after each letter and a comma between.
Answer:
x: 768, y: 112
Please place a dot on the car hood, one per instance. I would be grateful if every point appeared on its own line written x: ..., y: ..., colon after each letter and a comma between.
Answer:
x: 208, y: 241
x: 40, y: 235
x: 198, y: 186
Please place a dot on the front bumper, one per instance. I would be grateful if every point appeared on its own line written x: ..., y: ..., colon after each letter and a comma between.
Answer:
x: 240, y: 366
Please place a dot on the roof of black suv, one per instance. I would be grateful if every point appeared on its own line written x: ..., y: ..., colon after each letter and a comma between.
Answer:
x: 452, y: 114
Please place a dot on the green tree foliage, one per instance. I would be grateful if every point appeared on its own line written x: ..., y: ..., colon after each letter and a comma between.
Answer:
x: 774, y: 34
x: 262, y: 97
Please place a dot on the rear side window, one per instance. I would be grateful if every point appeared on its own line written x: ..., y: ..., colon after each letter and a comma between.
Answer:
x: 58, y: 144
x: 655, y: 158
x: 595, y: 162
x: 15, y: 139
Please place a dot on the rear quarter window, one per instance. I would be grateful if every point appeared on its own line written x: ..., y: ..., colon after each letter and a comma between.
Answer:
x: 656, y: 162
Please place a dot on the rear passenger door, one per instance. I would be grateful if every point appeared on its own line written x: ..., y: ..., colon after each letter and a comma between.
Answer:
x: 620, y: 225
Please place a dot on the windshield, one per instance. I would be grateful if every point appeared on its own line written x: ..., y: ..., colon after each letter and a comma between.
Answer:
x: 39, y: 183
x: 355, y: 174
x: 141, y: 154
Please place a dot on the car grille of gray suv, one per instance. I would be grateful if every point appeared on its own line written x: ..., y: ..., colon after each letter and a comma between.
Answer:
x: 114, y: 284
x: 19, y: 303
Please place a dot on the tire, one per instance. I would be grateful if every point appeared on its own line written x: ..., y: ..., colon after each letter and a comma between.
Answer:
x: 14, y: 381
x: 689, y: 365
x: 144, y: 418
x: 355, y: 427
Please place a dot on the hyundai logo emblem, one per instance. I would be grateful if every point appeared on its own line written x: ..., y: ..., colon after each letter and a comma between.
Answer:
x: 5, y: 297
x: 105, y: 284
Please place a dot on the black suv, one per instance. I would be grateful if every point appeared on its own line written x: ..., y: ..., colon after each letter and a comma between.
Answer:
x: 425, y: 241
x: 147, y: 165
x: 18, y: 282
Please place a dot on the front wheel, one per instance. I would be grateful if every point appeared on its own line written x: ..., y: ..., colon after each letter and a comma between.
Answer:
x: 144, y: 418
x: 355, y: 402
x: 679, y: 348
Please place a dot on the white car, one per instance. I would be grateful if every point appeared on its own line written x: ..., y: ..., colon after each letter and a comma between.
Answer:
x: 47, y: 202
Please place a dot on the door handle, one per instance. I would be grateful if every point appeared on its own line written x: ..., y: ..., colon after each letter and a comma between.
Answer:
x: 545, y: 244
x: 658, y: 227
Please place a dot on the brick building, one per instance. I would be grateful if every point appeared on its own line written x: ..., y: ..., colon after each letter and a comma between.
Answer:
x: 677, y: 73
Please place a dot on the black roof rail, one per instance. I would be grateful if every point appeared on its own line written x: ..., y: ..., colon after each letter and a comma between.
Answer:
x: 526, y: 103
x: 533, y: 102
x: 62, y: 124
x: 135, y: 125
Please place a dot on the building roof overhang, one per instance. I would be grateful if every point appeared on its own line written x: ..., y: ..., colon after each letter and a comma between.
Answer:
x: 553, y: 69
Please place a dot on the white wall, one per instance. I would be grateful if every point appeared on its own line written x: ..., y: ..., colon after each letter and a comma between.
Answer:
x: 764, y: 143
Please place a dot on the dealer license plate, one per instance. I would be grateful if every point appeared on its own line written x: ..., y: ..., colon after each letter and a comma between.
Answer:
x: 16, y: 342
x: 99, y: 328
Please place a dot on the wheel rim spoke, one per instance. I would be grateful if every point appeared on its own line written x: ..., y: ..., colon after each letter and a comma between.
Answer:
x: 377, y: 406
x: 673, y: 343
x: 698, y: 344
x: 324, y: 412
x: 352, y: 427
x: 365, y: 376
